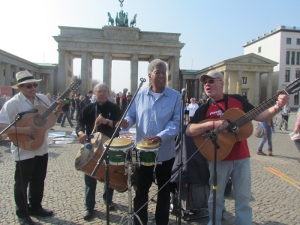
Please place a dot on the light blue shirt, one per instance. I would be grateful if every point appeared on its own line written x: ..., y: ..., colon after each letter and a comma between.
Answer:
x: 158, y: 117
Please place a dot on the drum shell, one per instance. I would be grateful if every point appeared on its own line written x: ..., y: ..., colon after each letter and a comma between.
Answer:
x: 147, y: 156
x: 87, y: 159
x: 118, y: 156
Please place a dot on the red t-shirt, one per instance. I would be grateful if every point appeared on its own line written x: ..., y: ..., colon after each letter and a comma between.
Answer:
x: 240, y: 149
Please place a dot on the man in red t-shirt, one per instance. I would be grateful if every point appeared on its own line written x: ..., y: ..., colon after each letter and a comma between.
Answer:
x: 237, y: 164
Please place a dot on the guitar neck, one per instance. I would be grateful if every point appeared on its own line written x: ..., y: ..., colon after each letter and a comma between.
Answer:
x: 256, y: 111
x: 54, y: 104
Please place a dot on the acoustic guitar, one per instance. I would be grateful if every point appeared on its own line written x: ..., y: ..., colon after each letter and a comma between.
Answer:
x: 243, y: 123
x: 43, y: 120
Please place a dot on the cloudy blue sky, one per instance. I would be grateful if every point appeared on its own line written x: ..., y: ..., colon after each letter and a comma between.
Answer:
x: 212, y: 30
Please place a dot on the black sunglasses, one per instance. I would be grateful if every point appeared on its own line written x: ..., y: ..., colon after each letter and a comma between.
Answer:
x: 29, y: 86
x: 210, y: 81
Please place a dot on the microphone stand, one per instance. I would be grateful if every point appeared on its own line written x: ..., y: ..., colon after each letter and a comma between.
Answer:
x: 105, y: 154
x: 18, y: 117
x: 179, y: 164
x: 213, y: 135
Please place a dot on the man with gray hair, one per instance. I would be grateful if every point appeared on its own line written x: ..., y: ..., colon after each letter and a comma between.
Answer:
x: 104, y: 115
x: 156, y: 113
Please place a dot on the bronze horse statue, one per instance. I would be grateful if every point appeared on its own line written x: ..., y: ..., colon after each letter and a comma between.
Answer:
x: 133, y: 21
x: 110, y: 19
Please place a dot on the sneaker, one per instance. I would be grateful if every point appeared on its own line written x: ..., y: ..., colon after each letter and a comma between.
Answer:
x: 260, y: 153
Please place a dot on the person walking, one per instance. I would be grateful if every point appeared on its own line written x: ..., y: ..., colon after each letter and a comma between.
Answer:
x: 268, y: 126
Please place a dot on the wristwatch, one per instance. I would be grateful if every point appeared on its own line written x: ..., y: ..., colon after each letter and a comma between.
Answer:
x: 107, y: 122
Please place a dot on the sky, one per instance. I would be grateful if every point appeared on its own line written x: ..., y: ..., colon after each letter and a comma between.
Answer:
x: 212, y: 30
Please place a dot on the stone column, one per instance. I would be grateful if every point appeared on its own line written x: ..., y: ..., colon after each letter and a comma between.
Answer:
x: 175, y: 75
x: 226, y: 76
x: 134, y: 70
x: 269, y: 84
x: 52, y: 90
x: 256, y: 89
x: 8, y: 74
x: 2, y: 78
x: 61, y: 74
x: 84, y: 72
x: 107, y: 63
x: 239, y: 83
x: 197, y: 89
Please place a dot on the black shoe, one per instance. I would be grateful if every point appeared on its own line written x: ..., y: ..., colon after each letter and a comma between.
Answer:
x: 111, y: 207
x: 40, y: 212
x: 25, y: 220
x: 88, y: 214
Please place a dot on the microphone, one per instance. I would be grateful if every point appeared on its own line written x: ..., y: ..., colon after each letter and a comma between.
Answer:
x: 183, y: 91
x: 28, y: 111
x: 232, y: 127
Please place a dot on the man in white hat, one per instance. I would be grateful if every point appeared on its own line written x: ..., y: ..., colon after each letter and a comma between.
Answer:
x: 31, y: 165
x: 237, y: 164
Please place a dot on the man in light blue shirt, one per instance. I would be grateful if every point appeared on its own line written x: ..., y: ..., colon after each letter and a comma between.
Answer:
x: 156, y: 113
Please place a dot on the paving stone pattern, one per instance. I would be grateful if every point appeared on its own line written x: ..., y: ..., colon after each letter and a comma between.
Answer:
x: 274, y: 200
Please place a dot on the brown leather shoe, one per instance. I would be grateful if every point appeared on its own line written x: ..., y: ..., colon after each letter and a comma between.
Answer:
x: 260, y: 153
x: 270, y: 153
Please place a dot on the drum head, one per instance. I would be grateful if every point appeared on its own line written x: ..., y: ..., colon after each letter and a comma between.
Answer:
x: 147, y: 144
x: 119, y: 142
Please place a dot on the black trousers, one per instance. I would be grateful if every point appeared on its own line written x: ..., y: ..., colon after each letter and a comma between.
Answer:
x: 144, y: 181
x: 30, y: 173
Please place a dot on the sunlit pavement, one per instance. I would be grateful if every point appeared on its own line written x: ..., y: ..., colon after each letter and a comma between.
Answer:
x: 275, y: 197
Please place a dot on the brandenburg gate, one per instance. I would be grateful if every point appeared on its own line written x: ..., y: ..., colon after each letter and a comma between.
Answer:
x: 114, y: 43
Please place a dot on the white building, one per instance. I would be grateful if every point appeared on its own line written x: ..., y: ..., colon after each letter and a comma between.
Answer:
x: 281, y: 45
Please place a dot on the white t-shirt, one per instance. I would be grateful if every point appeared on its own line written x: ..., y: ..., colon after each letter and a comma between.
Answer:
x: 192, y: 108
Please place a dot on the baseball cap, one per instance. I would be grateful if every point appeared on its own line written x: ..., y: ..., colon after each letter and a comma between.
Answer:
x: 212, y: 74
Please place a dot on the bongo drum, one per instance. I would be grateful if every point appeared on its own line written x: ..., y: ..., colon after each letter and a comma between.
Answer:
x: 147, y: 152
x: 119, y: 150
x: 87, y: 159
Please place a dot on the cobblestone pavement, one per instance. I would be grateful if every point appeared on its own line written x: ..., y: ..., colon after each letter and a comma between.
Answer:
x: 275, y: 199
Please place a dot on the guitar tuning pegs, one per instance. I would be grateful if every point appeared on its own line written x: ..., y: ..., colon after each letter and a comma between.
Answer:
x: 91, y: 136
x: 88, y: 145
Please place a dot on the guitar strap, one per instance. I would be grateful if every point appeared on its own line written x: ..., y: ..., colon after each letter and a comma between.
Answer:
x: 41, y: 100
x: 226, y: 103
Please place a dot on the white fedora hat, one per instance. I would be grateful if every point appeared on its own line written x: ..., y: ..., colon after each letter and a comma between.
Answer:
x: 24, y: 77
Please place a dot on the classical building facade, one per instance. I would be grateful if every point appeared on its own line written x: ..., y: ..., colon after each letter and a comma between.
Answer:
x: 114, y: 43
x: 11, y: 64
x: 250, y: 75
x: 283, y: 46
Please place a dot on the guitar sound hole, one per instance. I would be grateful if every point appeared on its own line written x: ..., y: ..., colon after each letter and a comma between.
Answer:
x: 39, y: 121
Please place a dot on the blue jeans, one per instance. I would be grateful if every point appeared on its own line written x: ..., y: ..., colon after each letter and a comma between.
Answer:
x: 240, y: 173
x: 90, y: 192
x: 66, y: 115
x: 266, y: 137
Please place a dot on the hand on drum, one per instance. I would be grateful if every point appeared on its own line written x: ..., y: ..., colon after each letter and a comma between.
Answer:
x: 152, y: 139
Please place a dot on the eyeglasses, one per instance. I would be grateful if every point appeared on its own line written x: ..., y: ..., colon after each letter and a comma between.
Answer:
x: 29, y: 86
x: 210, y: 81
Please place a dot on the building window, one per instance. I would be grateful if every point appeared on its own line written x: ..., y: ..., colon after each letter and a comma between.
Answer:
x: 244, y: 80
x: 287, y: 76
x: 259, y: 49
x: 289, y: 41
x: 287, y: 60
x: 4, y: 73
x: 293, y: 58
x: 298, y: 41
x: 296, y: 98
x: 298, y: 58
x: 297, y: 74
x: 70, y: 63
